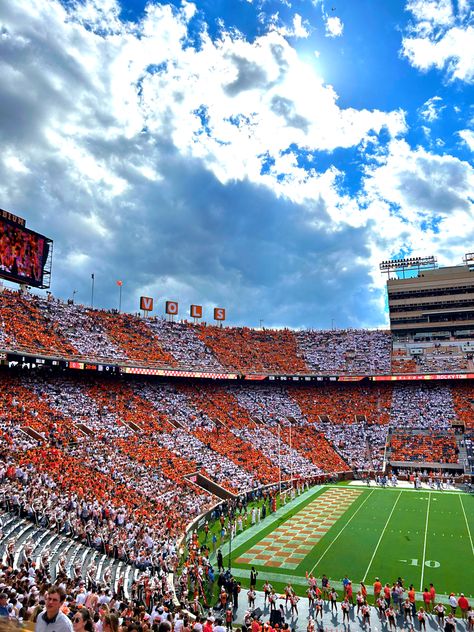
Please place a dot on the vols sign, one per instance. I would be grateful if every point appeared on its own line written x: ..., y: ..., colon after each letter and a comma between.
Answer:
x: 219, y: 313
x: 146, y: 303
x: 196, y: 311
x: 171, y: 307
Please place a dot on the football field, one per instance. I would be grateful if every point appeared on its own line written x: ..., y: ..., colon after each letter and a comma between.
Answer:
x: 422, y: 536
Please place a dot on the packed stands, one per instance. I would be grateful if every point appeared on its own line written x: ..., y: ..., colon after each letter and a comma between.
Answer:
x: 423, y: 447
x: 27, y: 327
x: 80, y: 327
x: 469, y: 443
x: 106, y: 464
x: 340, y: 404
x: 443, y: 360
x: 402, y: 362
x: 346, y: 351
x: 254, y: 351
x: 133, y: 337
x: 182, y: 341
x: 422, y: 405
x: 463, y: 400
x: 48, y: 326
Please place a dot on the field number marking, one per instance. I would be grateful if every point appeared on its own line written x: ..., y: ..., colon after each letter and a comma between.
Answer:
x: 428, y: 563
x: 381, y: 536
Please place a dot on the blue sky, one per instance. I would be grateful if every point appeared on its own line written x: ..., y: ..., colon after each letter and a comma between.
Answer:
x: 263, y: 156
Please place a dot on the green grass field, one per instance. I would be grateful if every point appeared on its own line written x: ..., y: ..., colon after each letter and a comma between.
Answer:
x: 422, y: 536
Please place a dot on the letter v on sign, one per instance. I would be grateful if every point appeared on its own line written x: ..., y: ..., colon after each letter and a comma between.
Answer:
x: 146, y: 303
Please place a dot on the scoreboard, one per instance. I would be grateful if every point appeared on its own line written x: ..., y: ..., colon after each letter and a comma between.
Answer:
x: 25, y: 256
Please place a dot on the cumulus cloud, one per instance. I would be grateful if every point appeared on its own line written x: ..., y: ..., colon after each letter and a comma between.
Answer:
x: 440, y: 36
x: 431, y: 109
x: 299, y: 28
x: 176, y: 163
x: 334, y: 26
x: 422, y: 200
x: 467, y: 136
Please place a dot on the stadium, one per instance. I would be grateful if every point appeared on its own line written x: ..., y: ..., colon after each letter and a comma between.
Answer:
x: 153, y: 466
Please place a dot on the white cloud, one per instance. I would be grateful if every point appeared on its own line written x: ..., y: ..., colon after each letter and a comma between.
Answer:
x: 431, y: 109
x: 299, y: 28
x: 156, y: 154
x: 426, y: 199
x: 439, y: 37
x: 467, y: 136
x: 418, y: 202
x: 334, y: 26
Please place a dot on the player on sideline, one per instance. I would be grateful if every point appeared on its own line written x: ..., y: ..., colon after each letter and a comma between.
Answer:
x: 345, y: 607
x: 319, y: 609
x: 390, y: 614
x: 325, y: 587
x: 422, y: 618
x: 267, y: 589
x: 311, y: 597
x: 366, y: 614
x: 294, y: 603
x: 439, y: 612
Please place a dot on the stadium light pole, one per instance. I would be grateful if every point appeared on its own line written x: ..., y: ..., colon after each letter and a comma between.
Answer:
x: 291, y: 462
x: 120, y: 283
x: 279, y: 458
x: 74, y: 292
x: 92, y: 289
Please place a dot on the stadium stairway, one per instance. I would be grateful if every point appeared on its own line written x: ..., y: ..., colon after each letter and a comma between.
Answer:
x: 61, y: 551
x: 463, y: 457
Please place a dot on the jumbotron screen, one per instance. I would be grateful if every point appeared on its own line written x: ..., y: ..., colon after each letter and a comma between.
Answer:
x: 23, y: 254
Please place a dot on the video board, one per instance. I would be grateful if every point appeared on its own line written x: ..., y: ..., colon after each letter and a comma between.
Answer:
x: 23, y: 254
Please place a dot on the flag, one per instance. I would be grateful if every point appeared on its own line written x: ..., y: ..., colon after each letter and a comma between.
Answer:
x: 120, y: 283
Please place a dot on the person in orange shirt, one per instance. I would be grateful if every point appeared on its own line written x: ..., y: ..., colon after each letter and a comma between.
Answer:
x: 412, y: 600
x: 377, y: 589
x: 427, y: 600
x: 433, y: 596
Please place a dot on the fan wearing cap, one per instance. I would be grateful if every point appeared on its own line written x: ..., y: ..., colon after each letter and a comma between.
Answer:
x: 209, y: 625
x: 52, y: 619
x: 453, y: 602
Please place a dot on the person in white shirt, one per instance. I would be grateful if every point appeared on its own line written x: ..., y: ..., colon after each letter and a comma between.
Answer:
x: 219, y: 627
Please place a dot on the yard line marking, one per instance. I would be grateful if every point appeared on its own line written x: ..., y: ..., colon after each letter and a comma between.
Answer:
x: 381, y: 536
x: 467, y: 524
x: 353, y: 515
x: 424, y: 545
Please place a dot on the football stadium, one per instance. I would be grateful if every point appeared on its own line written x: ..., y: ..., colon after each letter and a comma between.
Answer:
x: 158, y: 469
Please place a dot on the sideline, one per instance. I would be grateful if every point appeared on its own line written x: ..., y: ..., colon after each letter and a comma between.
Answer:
x: 281, y: 512
x: 299, y: 580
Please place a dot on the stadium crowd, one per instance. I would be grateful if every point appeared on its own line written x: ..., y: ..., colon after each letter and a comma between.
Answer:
x: 111, y: 462
x: 440, y: 448
x: 35, y: 324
